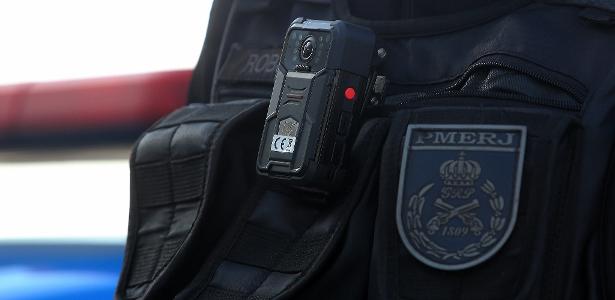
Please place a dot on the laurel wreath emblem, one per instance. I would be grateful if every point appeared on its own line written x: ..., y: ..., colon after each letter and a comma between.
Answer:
x: 414, y: 214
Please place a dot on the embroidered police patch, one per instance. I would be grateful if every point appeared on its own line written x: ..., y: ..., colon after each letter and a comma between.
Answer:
x: 459, y: 191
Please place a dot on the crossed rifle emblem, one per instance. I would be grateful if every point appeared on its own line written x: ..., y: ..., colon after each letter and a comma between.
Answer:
x: 448, y: 212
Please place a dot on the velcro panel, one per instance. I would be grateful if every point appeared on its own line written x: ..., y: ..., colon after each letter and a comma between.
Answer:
x: 302, y: 253
x: 259, y: 247
x: 287, y: 212
x: 239, y: 278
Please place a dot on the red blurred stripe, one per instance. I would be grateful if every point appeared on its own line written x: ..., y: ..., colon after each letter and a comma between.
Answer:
x: 91, y: 103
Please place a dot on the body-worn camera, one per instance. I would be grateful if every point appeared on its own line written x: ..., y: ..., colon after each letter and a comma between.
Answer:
x: 321, y: 84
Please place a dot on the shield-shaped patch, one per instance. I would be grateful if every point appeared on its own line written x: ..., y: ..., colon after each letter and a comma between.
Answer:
x: 459, y: 191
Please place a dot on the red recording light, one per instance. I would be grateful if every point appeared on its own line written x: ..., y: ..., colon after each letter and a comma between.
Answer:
x: 350, y: 93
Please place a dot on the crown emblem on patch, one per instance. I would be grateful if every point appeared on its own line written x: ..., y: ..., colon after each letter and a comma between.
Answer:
x: 460, y: 172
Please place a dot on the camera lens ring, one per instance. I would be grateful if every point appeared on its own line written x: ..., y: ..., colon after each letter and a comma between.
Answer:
x: 307, y: 49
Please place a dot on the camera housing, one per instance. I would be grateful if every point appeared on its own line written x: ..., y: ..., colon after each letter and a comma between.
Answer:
x: 320, y: 89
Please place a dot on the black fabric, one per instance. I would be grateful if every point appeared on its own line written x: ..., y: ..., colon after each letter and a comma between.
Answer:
x: 603, y: 5
x: 276, y: 259
x: 172, y: 220
x: 550, y: 157
x: 230, y: 234
x: 604, y: 260
x: 203, y: 75
x: 395, y: 10
x: 444, y: 17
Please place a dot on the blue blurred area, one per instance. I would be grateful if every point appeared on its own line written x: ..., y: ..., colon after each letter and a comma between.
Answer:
x: 34, y: 271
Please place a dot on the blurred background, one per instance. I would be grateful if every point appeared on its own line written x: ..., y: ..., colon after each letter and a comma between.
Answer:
x: 79, y: 80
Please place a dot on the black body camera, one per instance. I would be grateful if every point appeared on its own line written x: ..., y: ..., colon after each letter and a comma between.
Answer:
x: 322, y: 81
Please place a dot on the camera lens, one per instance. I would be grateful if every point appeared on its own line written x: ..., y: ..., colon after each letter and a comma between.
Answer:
x: 306, y: 52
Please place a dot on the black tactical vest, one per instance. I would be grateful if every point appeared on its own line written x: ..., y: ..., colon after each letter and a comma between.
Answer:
x: 487, y: 173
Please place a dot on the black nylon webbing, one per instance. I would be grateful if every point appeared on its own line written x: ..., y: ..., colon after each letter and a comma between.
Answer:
x: 169, y: 167
x: 276, y: 260
x: 155, y: 184
x: 276, y: 252
x: 144, y: 264
x: 262, y: 261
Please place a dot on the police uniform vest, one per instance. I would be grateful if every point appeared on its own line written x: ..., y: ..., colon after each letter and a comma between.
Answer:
x: 486, y: 173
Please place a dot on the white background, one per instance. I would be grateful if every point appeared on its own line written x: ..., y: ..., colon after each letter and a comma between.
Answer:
x: 84, y: 200
x: 43, y: 40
